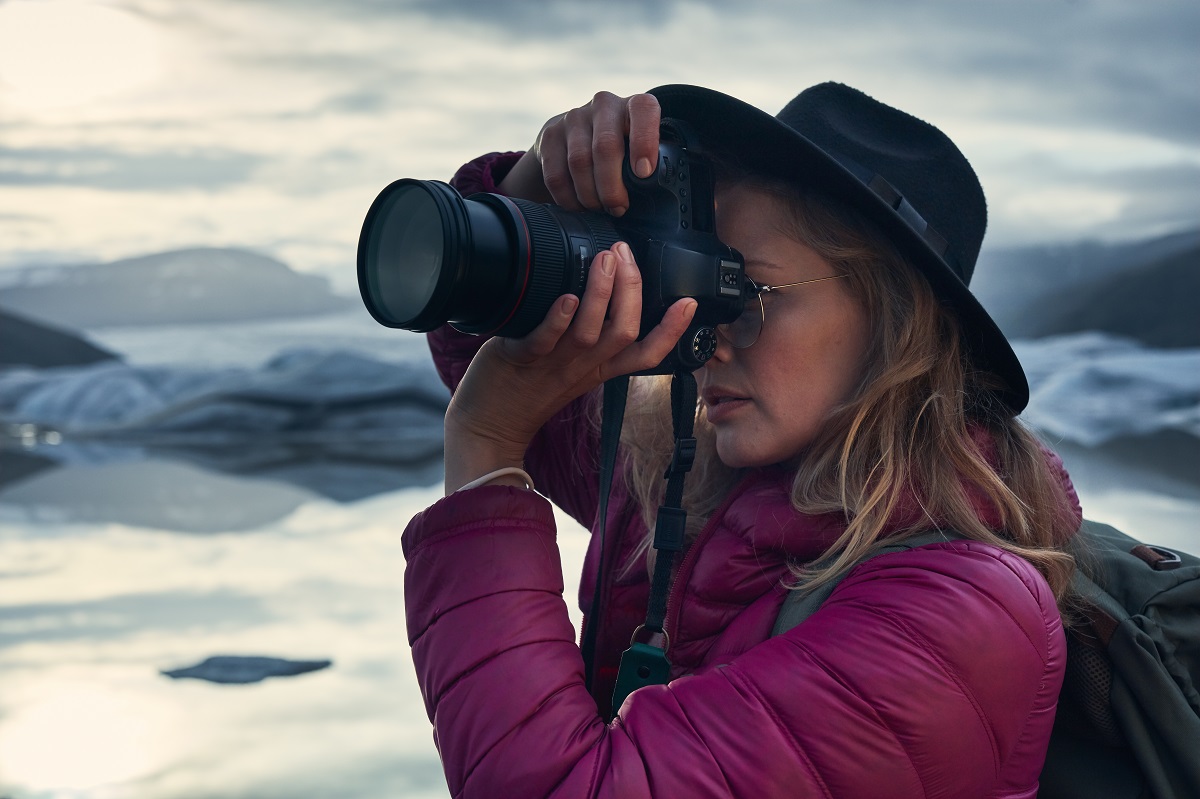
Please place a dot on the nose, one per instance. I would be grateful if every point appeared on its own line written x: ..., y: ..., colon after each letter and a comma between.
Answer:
x: 724, y: 350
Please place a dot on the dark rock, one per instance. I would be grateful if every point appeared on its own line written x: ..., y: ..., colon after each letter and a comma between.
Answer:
x: 41, y: 345
x: 16, y: 466
x: 1036, y: 291
x: 1154, y: 303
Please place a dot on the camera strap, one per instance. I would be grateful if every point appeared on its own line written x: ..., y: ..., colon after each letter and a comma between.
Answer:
x: 616, y: 392
x: 646, y: 663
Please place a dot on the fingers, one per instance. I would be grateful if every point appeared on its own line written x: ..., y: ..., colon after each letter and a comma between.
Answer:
x: 542, y: 340
x: 608, y: 154
x: 551, y: 147
x: 580, y: 164
x: 613, y: 339
x: 598, y: 333
x: 606, y: 319
x: 651, y: 350
x: 644, y: 118
x: 582, y: 151
x: 625, y: 307
x: 594, y: 309
x: 595, y: 151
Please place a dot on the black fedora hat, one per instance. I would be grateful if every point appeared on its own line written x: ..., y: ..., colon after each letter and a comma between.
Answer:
x: 903, y: 173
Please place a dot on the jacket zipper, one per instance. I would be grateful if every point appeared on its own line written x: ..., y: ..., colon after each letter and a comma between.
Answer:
x: 683, y: 573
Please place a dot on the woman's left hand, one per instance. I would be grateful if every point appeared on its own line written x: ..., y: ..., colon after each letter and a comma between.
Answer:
x: 514, y: 386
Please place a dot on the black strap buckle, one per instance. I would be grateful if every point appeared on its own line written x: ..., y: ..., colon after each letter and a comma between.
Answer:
x: 683, y: 458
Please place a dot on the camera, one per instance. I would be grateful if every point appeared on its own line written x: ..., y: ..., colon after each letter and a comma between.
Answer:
x: 493, y: 265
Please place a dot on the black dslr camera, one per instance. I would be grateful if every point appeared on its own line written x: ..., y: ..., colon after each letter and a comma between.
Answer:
x: 493, y: 265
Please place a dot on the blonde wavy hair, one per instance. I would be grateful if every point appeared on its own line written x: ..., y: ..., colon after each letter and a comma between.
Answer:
x: 908, y: 432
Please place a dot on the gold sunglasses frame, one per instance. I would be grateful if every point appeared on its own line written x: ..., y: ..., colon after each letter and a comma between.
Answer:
x: 762, y: 311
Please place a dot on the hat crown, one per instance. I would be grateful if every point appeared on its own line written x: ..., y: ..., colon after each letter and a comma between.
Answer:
x: 919, y: 161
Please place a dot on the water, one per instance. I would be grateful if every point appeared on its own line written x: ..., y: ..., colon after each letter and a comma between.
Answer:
x: 133, y: 558
x: 93, y: 610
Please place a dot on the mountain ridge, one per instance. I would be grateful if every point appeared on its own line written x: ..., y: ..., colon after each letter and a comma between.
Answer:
x: 193, y: 285
x: 1033, y: 292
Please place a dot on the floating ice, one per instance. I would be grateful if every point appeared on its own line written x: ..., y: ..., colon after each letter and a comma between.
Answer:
x: 1092, y: 387
x: 235, y: 669
x: 300, y: 393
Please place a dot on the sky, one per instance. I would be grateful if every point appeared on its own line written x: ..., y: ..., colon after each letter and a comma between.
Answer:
x: 136, y: 126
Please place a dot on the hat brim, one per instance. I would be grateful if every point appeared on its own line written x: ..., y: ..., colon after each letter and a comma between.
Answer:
x: 767, y: 145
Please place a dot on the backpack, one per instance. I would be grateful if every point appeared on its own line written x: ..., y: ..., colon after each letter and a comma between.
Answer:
x: 1128, y: 721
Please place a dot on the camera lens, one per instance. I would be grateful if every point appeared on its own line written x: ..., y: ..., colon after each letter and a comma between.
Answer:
x: 487, y: 264
x: 407, y: 231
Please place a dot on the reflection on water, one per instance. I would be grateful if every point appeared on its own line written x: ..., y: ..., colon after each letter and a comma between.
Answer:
x: 99, y: 594
x: 1148, y: 486
x: 183, y: 497
x: 76, y: 735
x: 154, y: 494
x: 97, y: 598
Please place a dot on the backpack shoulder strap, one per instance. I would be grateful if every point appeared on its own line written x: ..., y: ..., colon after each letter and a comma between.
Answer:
x: 800, y: 604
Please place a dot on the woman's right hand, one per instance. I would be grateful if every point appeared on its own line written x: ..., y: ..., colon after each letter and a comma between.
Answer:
x: 576, y: 160
x: 515, y: 385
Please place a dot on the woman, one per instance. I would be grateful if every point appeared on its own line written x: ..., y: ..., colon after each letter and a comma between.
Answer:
x: 869, y: 399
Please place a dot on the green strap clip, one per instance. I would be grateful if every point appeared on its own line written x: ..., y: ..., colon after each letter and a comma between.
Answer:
x: 641, y: 665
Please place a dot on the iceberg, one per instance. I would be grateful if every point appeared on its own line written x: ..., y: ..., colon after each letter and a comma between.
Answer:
x: 299, y: 393
x: 1092, y: 388
x: 336, y: 422
x: 240, y: 670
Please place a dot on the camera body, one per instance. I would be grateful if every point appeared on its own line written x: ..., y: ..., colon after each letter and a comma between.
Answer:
x: 671, y: 228
x: 493, y: 265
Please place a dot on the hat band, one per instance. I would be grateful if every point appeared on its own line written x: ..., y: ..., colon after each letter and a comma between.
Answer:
x: 896, y: 201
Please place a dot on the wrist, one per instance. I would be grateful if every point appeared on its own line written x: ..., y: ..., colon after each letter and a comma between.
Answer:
x: 469, y: 456
x: 524, y: 180
x: 460, y: 479
x: 509, y: 475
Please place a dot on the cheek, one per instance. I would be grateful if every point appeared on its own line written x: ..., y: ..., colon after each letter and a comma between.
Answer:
x: 850, y: 355
x: 822, y: 370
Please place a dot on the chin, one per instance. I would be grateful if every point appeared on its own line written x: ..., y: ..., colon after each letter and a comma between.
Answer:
x: 740, y: 457
x: 737, y: 452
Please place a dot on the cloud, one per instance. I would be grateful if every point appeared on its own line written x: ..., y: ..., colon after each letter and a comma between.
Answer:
x: 300, y: 111
x: 124, y: 171
x: 1043, y: 198
x: 1099, y: 63
x: 363, y: 102
x: 1163, y: 197
x: 1091, y: 62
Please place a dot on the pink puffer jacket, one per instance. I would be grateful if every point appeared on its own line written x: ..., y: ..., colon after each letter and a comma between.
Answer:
x: 928, y: 673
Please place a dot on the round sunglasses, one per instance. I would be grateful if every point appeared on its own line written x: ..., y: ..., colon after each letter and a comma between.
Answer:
x: 744, y: 331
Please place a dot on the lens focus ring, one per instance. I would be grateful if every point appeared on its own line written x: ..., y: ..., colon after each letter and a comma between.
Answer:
x: 547, y: 264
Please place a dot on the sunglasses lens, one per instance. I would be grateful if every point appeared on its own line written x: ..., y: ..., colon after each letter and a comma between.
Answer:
x: 743, y: 331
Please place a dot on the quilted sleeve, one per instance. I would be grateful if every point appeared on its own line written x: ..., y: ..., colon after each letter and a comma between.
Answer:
x: 925, y: 674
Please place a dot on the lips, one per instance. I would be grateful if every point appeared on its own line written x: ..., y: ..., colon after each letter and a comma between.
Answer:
x: 721, y: 403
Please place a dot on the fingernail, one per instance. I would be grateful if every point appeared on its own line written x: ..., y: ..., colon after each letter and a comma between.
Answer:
x: 606, y: 263
x: 643, y: 168
x: 624, y: 251
x: 617, y: 211
x: 570, y: 303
